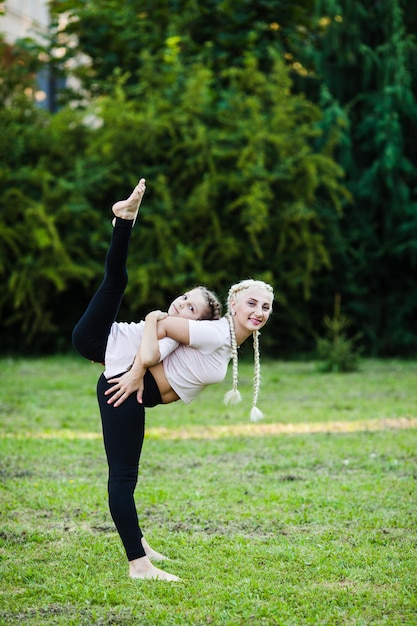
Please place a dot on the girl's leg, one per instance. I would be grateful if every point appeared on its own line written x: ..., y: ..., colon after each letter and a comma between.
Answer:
x: 90, y: 335
x: 123, y: 431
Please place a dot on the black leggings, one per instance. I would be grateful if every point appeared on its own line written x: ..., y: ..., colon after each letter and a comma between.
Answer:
x: 123, y: 426
x: 90, y: 335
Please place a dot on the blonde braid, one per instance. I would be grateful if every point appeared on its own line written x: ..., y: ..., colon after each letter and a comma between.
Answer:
x: 233, y: 396
x: 256, y: 414
x: 234, y: 290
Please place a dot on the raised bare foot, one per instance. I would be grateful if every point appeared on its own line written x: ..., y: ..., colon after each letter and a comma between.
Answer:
x: 143, y: 568
x: 128, y: 209
x: 152, y: 554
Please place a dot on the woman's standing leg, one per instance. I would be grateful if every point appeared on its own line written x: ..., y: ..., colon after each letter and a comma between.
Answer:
x: 123, y: 432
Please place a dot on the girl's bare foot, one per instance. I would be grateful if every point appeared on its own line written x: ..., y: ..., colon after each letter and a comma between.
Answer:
x: 152, y: 554
x: 143, y: 568
x: 128, y: 209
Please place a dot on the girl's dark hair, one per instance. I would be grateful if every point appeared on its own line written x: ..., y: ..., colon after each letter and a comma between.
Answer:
x: 214, y: 306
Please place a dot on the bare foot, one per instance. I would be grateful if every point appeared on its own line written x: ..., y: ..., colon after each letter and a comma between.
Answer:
x: 128, y: 209
x: 152, y: 554
x: 143, y: 568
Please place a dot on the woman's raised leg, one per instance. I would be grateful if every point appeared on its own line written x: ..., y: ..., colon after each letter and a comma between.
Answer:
x: 90, y: 335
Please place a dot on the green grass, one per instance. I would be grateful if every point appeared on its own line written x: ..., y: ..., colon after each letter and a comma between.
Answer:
x: 306, y: 518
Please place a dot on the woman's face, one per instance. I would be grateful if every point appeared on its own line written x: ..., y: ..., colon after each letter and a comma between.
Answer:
x: 251, y: 309
x: 191, y: 305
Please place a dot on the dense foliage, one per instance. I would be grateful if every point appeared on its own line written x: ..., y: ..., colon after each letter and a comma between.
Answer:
x: 366, y: 64
x: 243, y: 118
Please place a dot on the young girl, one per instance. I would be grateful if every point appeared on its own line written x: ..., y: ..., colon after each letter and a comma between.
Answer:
x: 188, y: 358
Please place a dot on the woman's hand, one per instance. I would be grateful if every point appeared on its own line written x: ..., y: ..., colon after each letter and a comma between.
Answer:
x: 124, y: 386
x: 156, y: 316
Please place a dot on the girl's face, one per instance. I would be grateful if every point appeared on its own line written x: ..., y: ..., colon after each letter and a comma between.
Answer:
x: 191, y: 305
x: 251, y: 310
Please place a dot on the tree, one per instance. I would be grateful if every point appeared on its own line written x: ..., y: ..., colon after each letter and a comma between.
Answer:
x: 41, y: 175
x: 237, y: 185
x: 364, y: 60
x: 219, y: 33
x: 221, y: 201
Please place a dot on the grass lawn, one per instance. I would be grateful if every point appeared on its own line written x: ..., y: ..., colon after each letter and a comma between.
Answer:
x: 308, y: 517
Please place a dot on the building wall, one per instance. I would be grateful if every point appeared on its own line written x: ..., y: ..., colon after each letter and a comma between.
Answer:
x: 30, y: 18
x: 23, y: 18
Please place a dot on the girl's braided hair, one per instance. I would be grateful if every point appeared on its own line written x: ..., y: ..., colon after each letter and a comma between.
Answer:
x: 214, y: 305
x: 233, y: 396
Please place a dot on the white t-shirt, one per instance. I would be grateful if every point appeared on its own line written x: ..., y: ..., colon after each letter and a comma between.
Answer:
x: 189, y: 369
x: 123, y: 344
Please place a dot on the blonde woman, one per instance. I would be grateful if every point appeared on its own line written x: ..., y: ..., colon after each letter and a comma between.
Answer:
x: 204, y: 351
x: 187, y: 358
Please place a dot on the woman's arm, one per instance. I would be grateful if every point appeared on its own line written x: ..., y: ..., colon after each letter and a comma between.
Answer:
x: 124, y: 385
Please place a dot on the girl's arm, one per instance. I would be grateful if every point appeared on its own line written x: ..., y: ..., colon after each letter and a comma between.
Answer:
x: 149, y: 347
x: 177, y: 328
x: 157, y: 326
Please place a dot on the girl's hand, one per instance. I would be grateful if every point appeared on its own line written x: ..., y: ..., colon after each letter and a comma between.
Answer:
x: 156, y: 316
x: 124, y: 386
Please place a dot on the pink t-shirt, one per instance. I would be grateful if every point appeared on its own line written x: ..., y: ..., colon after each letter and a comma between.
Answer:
x: 189, y: 369
x: 123, y: 344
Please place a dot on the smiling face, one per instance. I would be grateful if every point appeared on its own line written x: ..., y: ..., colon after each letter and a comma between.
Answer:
x: 251, y: 309
x: 191, y: 305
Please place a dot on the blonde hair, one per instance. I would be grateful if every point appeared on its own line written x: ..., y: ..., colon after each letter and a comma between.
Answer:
x: 233, y: 396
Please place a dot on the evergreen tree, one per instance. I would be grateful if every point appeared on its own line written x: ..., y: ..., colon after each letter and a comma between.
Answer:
x: 364, y: 60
